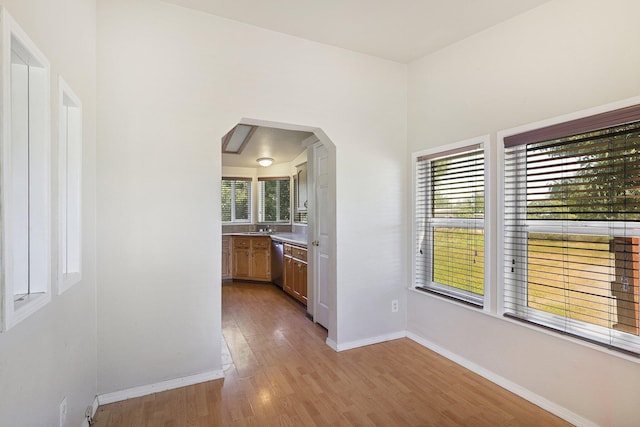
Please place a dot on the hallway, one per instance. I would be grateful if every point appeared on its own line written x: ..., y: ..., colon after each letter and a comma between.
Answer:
x: 283, y: 374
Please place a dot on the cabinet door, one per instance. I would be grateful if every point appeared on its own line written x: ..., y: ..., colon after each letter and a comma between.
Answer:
x: 302, y: 188
x: 288, y: 275
x: 241, y: 263
x: 300, y: 281
x: 261, y: 265
x: 302, y: 285
x: 226, y: 258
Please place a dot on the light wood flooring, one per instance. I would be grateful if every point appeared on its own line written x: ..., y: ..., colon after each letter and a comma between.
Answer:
x: 283, y: 374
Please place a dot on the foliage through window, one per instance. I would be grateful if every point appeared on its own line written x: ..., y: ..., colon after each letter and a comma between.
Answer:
x: 449, y: 217
x: 236, y: 200
x: 274, y: 196
x: 572, y: 226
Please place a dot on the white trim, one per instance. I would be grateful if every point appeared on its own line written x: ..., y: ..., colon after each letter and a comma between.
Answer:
x: 308, y: 142
x: 40, y: 134
x: 145, y: 390
x: 526, y: 394
x: 368, y: 341
x: 331, y: 343
x: 94, y: 409
x: 549, y: 332
x: 500, y: 259
x: 69, y: 278
x: 484, y: 143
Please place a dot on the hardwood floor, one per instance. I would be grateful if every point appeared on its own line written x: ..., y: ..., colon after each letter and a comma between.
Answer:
x: 283, y: 374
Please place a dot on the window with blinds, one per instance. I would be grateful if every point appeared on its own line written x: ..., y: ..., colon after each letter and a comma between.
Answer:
x: 449, y: 224
x: 572, y: 227
x: 236, y: 199
x: 274, y: 195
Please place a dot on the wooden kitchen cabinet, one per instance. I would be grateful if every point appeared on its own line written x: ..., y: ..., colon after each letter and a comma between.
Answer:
x: 252, y: 258
x: 301, y: 188
x: 226, y: 258
x: 300, y: 281
x: 295, y: 272
x: 288, y: 275
x: 261, y: 264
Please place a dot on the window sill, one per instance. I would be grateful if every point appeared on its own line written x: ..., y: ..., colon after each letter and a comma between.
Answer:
x: 521, y: 324
x: 67, y: 281
x: 26, y: 306
x: 461, y: 298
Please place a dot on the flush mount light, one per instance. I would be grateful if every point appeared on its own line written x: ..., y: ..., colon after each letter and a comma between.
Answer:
x: 265, y: 161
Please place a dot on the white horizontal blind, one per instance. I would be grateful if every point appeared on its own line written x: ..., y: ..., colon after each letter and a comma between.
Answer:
x: 236, y: 199
x: 449, y: 219
x: 274, y: 195
x: 572, y: 231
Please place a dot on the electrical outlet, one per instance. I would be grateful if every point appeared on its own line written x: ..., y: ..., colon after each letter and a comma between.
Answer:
x: 63, y: 411
x: 394, y: 306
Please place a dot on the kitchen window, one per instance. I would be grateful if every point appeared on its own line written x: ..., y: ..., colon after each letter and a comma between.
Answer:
x: 274, y: 199
x: 236, y: 200
x: 449, y: 222
x: 572, y: 227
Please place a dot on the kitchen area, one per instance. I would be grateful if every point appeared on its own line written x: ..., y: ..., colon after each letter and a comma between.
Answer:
x: 265, y: 200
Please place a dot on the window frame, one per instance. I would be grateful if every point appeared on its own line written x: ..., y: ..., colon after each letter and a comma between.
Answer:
x: 69, y: 187
x: 233, y: 221
x: 38, y: 179
x: 261, y: 200
x: 438, y: 290
x: 579, y: 331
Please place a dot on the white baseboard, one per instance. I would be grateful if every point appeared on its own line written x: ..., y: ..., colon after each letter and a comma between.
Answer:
x: 331, y: 343
x: 526, y: 394
x: 367, y: 341
x: 145, y: 390
x: 94, y: 407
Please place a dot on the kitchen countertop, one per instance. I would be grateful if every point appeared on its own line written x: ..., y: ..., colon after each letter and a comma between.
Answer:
x: 297, y: 239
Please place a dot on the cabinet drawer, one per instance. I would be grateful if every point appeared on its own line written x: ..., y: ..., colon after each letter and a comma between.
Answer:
x: 242, y: 242
x: 261, y: 243
x: 295, y: 252
x: 299, y: 253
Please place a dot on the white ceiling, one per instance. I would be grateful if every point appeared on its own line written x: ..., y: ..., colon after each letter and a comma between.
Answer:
x: 398, y: 30
x: 280, y: 144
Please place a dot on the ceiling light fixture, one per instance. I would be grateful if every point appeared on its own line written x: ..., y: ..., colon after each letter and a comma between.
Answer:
x: 265, y: 161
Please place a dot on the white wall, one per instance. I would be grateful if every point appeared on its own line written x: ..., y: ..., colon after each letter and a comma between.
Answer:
x: 562, y: 57
x: 171, y: 82
x: 52, y: 354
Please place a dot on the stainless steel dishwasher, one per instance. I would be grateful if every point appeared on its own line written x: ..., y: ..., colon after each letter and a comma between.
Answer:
x: 277, y: 262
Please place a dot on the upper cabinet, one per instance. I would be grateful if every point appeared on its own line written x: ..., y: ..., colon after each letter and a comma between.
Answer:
x: 300, y: 194
x: 301, y: 188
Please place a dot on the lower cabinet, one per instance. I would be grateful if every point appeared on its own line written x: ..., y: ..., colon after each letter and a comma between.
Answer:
x: 300, y: 281
x: 226, y: 258
x: 295, y: 272
x: 251, y: 258
x: 287, y: 272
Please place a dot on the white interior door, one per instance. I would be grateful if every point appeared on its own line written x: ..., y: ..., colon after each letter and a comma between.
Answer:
x: 322, y: 266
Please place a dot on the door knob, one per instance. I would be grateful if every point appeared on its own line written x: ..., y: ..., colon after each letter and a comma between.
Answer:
x: 315, y: 243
